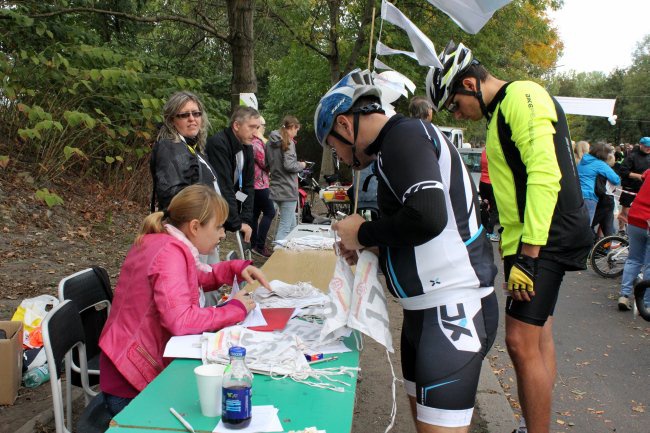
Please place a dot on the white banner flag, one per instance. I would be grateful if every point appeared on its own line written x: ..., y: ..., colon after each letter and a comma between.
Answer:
x: 587, y: 106
x: 425, y: 52
x: 381, y: 65
x: 470, y: 15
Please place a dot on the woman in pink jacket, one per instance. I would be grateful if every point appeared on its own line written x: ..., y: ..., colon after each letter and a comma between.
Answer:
x: 159, y: 293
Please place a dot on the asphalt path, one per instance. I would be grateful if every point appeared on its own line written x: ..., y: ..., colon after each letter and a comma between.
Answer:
x: 603, y: 359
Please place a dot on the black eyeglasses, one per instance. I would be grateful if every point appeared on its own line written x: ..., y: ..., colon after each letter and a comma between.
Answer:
x: 453, y: 106
x: 187, y: 114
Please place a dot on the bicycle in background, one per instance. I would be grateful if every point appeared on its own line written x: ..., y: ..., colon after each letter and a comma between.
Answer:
x: 608, y: 255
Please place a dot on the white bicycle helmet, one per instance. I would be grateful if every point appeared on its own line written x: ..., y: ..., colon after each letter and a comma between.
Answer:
x: 455, y: 59
x: 340, y: 98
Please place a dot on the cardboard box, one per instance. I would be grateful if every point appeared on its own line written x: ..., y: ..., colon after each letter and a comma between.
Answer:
x: 11, y: 361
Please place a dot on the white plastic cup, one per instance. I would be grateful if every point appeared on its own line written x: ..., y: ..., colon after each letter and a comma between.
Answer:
x: 209, y: 378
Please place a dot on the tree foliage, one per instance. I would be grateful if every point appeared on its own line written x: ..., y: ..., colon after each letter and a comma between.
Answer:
x: 83, y: 82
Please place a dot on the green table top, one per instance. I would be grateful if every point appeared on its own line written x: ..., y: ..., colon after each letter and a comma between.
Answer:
x: 300, y: 406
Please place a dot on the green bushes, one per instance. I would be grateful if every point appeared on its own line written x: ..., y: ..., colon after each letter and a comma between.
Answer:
x: 69, y: 107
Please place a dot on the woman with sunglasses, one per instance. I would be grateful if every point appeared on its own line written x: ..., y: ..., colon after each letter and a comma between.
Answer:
x: 177, y: 160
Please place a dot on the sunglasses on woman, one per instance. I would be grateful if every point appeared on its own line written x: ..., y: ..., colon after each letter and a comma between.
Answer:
x: 187, y: 114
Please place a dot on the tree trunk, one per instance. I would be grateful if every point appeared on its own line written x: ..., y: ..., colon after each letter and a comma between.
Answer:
x: 242, y: 41
x: 333, y: 60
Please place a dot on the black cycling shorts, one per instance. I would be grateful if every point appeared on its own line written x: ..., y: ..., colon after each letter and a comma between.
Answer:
x: 442, y: 351
x: 547, y: 286
x: 626, y: 199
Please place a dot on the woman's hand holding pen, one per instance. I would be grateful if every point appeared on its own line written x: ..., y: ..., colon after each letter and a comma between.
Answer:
x: 245, y: 298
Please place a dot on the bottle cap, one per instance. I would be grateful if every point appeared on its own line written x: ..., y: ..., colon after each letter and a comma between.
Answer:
x: 237, y: 351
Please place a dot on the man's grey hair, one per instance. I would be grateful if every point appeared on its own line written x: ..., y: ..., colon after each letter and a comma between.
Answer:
x: 242, y: 113
x: 419, y: 108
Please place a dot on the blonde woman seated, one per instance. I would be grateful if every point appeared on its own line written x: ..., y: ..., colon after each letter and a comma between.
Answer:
x: 159, y: 293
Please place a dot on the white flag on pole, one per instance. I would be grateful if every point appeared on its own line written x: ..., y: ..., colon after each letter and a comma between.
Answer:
x: 470, y: 15
x: 425, y: 52
x: 381, y: 65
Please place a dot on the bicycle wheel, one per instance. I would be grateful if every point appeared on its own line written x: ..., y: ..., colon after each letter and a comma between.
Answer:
x: 639, y: 294
x: 608, y: 256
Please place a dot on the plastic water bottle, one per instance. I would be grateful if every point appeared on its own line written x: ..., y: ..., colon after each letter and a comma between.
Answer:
x: 236, y: 410
x: 36, y: 376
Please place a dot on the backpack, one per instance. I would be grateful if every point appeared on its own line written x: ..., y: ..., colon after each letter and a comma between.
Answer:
x: 306, y: 216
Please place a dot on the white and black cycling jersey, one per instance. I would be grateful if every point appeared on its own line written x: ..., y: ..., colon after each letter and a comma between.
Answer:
x: 430, y: 237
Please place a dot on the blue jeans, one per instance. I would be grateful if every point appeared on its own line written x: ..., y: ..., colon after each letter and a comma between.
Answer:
x: 591, y: 207
x: 287, y: 221
x: 262, y: 205
x: 115, y: 404
x: 638, y: 256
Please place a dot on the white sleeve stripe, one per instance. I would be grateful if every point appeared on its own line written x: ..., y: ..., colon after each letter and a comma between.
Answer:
x: 383, y: 176
x: 421, y: 186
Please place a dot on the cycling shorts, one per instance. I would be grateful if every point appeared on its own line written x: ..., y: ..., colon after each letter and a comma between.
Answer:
x: 442, y: 351
x: 547, y: 286
x: 626, y: 199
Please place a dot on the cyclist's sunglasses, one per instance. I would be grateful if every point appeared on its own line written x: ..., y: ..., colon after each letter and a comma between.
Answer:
x: 453, y: 106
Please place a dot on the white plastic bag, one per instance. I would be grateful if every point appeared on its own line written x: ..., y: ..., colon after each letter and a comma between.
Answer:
x: 266, y: 352
x: 340, y: 294
x: 369, y: 311
x: 358, y: 302
x: 31, y: 312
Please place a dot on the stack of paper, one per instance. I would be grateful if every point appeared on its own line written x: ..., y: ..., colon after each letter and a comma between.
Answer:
x: 264, y: 419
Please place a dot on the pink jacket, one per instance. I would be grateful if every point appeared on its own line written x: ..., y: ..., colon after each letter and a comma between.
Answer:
x: 157, y: 296
x: 261, y: 171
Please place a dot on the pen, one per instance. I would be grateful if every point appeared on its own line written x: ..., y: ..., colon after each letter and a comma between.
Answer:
x: 182, y: 420
x: 331, y: 358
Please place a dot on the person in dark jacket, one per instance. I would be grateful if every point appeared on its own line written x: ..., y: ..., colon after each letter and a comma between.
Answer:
x: 284, y: 165
x: 177, y: 159
x: 604, y: 216
x: 230, y: 152
x: 634, y: 165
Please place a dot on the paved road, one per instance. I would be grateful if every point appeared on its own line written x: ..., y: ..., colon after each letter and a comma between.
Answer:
x: 603, y: 359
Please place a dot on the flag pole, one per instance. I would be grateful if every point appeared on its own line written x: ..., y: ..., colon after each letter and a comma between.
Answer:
x: 372, y: 33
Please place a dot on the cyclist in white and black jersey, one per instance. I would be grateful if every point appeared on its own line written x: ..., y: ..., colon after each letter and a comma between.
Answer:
x: 430, y: 246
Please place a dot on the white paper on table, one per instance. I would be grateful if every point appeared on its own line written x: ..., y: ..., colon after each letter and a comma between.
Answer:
x: 309, y: 334
x: 264, y: 419
x: 235, y: 288
x: 254, y: 318
x: 183, y: 346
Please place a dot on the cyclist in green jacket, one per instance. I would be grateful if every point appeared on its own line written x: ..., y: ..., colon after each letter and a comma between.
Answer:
x: 545, y: 222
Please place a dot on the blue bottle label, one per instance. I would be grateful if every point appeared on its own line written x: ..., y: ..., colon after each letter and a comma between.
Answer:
x: 236, y: 403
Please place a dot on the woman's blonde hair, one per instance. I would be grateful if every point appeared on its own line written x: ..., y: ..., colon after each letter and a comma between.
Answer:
x: 579, y: 150
x: 287, y: 122
x: 258, y: 132
x: 196, y: 202
x: 172, y: 107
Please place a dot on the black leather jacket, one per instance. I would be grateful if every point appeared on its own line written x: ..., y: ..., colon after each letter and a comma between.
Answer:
x: 636, y: 162
x: 222, y: 149
x: 173, y: 167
